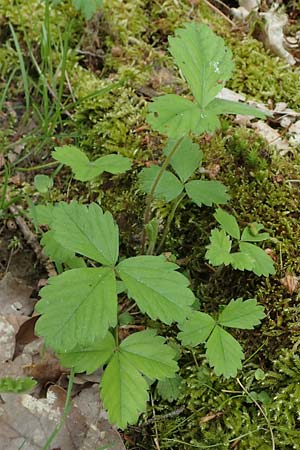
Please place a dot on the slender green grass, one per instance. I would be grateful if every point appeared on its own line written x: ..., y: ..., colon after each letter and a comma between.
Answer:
x: 6, y: 88
x: 24, y: 73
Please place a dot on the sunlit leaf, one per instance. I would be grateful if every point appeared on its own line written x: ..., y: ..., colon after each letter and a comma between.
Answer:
x: 87, y: 7
x: 203, y: 59
x: 252, y: 233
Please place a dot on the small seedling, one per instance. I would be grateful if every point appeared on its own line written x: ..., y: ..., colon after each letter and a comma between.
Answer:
x: 249, y: 257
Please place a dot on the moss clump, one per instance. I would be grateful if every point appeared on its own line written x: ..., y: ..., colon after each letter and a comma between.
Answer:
x: 263, y: 76
x: 220, y: 413
x: 108, y: 123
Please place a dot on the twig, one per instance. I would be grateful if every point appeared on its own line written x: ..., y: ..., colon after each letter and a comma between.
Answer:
x: 215, y: 9
x: 261, y: 410
x: 32, y: 240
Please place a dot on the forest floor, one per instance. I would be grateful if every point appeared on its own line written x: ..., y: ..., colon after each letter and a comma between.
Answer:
x: 65, y: 80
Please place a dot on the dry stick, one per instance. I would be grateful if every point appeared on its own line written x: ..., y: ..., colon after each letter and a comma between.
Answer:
x: 261, y: 410
x: 32, y: 240
x: 150, y: 197
x: 214, y: 8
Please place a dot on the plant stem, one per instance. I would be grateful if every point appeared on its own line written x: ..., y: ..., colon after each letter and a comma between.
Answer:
x: 176, y: 203
x: 41, y: 166
x: 150, y: 197
x: 67, y: 409
x: 261, y: 410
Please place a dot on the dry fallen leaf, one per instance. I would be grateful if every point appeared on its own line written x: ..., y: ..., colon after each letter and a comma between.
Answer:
x: 15, y: 296
x: 290, y: 281
x: 27, y: 422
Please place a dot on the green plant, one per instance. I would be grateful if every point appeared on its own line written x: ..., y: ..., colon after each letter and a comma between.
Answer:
x: 80, y: 318
x: 86, y: 170
x: 16, y: 385
x: 223, y: 351
x: 249, y: 257
x: 206, y: 65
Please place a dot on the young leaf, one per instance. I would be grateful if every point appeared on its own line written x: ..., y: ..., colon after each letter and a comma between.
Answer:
x: 124, y: 390
x: 241, y: 314
x: 89, y: 358
x: 186, y: 159
x: 87, y: 7
x: 218, y: 251
x: 207, y: 192
x: 43, y: 183
x: 168, y: 188
x: 263, y: 263
x: 252, y: 233
x: 16, y: 385
x: 169, y: 388
x: 228, y: 223
x: 176, y: 116
x: 196, y: 329
x: 86, y: 170
x: 77, y: 307
x: 241, y: 261
x: 87, y: 231
x: 158, y: 290
x: 203, y: 59
x: 224, y: 353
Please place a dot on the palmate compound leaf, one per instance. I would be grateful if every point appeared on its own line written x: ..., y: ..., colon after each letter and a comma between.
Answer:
x: 228, y: 223
x: 86, y: 170
x: 196, y: 329
x: 87, y: 231
x: 77, y: 308
x: 87, y: 7
x: 187, y: 158
x: 123, y: 388
x: 218, y: 251
x: 263, y: 263
x: 206, y: 64
x: 224, y: 353
x: 158, y: 290
x: 207, y: 192
x: 241, y: 314
x: 89, y: 358
x: 168, y: 188
x: 203, y: 59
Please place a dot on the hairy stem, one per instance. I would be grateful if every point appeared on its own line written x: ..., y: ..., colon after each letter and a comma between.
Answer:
x: 150, y: 197
x: 176, y: 203
x: 67, y: 409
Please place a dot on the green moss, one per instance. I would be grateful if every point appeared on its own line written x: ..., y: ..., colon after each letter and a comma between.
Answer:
x: 263, y: 76
x: 220, y: 413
